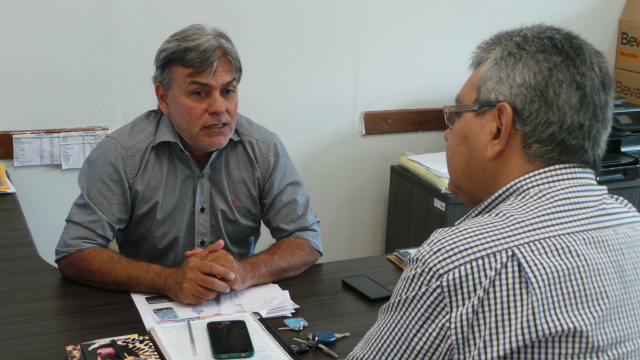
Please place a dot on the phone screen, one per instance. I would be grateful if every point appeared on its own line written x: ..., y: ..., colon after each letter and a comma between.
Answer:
x: 230, y: 339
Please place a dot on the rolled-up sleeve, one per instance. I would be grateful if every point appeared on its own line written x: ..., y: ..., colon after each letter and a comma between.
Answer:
x: 286, y: 205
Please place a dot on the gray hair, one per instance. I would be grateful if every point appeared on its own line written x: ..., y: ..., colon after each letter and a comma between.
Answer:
x: 194, y: 47
x: 559, y: 87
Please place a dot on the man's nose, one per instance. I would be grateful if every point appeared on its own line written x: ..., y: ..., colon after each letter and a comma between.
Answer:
x: 446, y: 134
x: 216, y: 104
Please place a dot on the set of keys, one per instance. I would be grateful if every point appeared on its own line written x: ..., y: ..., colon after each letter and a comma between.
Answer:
x: 319, y: 340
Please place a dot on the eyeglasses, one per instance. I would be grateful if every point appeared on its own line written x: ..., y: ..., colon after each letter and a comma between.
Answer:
x: 452, y: 113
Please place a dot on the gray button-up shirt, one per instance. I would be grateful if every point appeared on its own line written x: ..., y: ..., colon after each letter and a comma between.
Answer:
x: 140, y: 187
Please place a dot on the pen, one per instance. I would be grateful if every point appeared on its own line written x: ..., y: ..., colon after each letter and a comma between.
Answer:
x: 119, y: 351
x: 193, y: 343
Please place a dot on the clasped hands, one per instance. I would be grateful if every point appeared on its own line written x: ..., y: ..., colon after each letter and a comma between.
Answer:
x: 204, y: 273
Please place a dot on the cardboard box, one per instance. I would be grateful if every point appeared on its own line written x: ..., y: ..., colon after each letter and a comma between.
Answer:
x: 628, y: 53
x: 627, y: 85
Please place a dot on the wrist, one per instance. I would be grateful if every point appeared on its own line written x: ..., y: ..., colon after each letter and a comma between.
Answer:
x: 247, y: 273
x: 161, y: 279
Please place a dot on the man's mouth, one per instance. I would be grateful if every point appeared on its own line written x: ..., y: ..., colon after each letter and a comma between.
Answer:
x: 215, y: 126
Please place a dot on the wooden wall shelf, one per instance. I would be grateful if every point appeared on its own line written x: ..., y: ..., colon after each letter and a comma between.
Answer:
x: 402, y: 121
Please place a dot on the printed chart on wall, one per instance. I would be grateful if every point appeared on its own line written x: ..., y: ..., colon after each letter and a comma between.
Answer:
x: 68, y: 149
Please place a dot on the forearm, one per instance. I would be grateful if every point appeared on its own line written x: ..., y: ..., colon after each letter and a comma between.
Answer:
x: 108, y: 269
x: 287, y: 257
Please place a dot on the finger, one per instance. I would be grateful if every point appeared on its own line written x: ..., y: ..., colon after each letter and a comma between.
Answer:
x: 193, y: 252
x: 216, y: 246
x: 200, y: 253
x: 200, y: 296
x: 217, y: 271
x: 203, y: 288
x: 212, y: 285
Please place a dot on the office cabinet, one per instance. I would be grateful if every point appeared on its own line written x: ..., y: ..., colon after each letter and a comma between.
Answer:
x: 416, y: 209
x: 629, y: 190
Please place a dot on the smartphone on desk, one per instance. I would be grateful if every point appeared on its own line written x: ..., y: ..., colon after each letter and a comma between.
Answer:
x: 367, y: 287
x: 230, y: 339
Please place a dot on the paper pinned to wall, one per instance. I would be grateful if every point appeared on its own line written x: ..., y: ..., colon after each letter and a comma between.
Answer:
x: 68, y: 149
x: 36, y: 149
x: 76, y: 146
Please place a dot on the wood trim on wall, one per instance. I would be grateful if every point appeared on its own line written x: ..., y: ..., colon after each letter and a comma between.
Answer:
x: 402, y: 121
x: 6, y: 137
x: 375, y: 123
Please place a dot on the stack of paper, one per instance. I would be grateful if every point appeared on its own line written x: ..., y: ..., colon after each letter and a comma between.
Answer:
x: 430, y: 167
x: 400, y: 255
x: 268, y: 300
x: 5, y: 184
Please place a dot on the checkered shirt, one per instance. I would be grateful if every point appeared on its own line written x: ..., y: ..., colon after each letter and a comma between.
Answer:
x: 548, y: 267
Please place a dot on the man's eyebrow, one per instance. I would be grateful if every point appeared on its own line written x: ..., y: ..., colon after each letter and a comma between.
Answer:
x: 202, y: 83
x: 199, y: 83
x: 457, y: 99
x: 234, y: 79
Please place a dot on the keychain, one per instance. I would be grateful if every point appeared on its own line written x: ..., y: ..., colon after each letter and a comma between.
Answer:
x: 296, y: 324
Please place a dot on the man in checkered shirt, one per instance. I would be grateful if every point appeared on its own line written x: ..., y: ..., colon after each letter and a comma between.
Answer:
x: 546, y: 264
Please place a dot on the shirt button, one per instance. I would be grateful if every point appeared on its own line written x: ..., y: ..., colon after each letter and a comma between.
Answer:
x: 202, y: 242
x: 202, y: 209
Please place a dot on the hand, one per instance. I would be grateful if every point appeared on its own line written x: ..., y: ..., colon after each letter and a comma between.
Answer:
x: 198, y: 280
x: 214, y: 254
x: 227, y: 261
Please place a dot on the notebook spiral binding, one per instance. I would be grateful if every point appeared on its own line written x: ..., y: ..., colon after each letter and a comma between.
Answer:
x: 275, y: 336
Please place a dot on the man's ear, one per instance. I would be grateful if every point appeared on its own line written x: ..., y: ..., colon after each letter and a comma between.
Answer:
x: 503, y: 130
x: 163, y: 98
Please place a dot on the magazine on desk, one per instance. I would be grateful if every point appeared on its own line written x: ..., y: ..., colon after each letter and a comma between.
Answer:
x: 133, y: 346
x: 174, y: 342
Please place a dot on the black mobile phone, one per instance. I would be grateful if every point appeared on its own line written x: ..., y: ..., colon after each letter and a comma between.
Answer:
x: 367, y: 287
x: 230, y: 339
x: 157, y: 299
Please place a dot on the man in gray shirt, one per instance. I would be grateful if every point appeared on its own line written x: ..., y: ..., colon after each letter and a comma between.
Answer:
x: 183, y: 189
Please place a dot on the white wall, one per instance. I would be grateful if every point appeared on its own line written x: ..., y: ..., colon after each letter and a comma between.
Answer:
x: 310, y: 69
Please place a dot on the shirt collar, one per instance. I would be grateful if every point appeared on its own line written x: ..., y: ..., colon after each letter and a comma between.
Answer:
x: 547, y: 178
x: 165, y: 131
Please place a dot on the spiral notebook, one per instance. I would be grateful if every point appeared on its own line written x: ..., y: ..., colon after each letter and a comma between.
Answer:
x: 173, y: 341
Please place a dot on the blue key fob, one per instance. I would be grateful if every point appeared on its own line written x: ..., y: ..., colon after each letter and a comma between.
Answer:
x: 324, y: 337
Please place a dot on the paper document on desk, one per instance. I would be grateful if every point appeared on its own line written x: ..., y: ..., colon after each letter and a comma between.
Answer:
x: 268, y: 300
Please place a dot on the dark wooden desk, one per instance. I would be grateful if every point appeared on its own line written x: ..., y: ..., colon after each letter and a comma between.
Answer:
x: 40, y: 312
